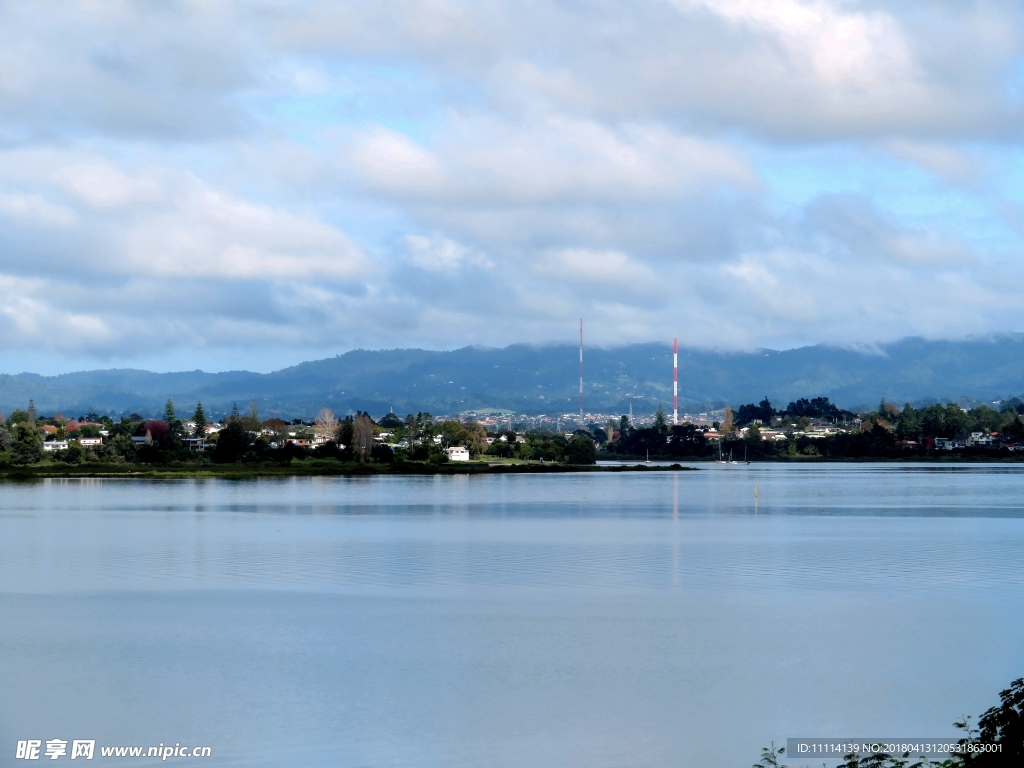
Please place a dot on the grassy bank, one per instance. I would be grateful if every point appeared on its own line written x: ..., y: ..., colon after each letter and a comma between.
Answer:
x: 309, y: 468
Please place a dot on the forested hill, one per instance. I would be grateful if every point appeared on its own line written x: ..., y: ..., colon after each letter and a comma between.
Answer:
x: 532, y: 379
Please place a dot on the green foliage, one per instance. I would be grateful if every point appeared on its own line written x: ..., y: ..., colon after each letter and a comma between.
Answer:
x: 199, y: 417
x: 452, y: 433
x: 232, y: 443
x: 28, y: 445
x: 382, y: 454
x: 762, y: 412
x: 770, y: 757
x: 420, y: 427
x: 580, y: 450
x: 815, y: 408
x: 1003, y: 725
x: 346, y: 432
x: 503, y: 448
x: 251, y: 422
x: 18, y: 416
x: 73, y: 455
x: 475, y: 438
x: 391, y: 422
x: 682, y: 440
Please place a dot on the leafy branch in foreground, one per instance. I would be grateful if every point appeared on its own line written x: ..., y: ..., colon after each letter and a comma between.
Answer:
x: 770, y: 757
x: 997, y: 742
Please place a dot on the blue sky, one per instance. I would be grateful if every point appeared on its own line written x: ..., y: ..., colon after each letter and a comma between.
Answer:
x: 221, y: 185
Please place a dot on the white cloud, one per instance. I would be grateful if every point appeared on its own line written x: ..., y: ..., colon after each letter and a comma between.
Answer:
x: 209, y: 234
x: 839, y: 47
x: 479, y: 159
x: 100, y: 185
x: 30, y: 316
x: 589, y: 270
x: 440, y: 254
x: 34, y: 208
x: 945, y: 160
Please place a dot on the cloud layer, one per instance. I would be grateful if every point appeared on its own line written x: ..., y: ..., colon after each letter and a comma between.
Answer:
x: 203, y: 183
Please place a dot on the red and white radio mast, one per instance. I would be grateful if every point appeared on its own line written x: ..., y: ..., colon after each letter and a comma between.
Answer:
x: 675, y: 381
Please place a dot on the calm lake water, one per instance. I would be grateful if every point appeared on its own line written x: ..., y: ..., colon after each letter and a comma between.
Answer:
x: 609, y: 620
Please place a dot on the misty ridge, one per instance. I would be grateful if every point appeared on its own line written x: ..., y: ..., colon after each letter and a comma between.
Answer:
x: 544, y: 379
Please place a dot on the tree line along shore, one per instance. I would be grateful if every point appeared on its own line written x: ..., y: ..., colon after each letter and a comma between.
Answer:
x: 806, y: 430
x: 817, y: 430
x: 242, y: 444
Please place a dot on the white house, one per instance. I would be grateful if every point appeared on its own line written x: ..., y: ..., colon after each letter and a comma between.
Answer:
x: 55, y: 445
x: 979, y: 440
x: 90, y: 442
x: 458, y: 453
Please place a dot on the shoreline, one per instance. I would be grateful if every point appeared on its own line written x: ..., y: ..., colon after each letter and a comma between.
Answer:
x: 914, y: 459
x: 330, y: 468
x: 315, y: 468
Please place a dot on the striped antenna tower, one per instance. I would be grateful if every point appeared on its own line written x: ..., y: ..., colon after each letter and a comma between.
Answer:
x: 581, y: 372
x: 675, y: 381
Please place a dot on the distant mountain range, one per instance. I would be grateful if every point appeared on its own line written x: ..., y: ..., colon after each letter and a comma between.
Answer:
x: 544, y: 379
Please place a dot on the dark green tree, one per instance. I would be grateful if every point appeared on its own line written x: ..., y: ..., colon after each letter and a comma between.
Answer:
x: 763, y: 411
x: 199, y: 417
x: 391, y: 421
x: 908, y: 426
x: 169, y: 415
x: 18, y: 416
x: 984, y: 419
x: 815, y: 408
x: 580, y: 450
x: 31, y: 413
x: 28, y: 445
x: 232, y: 443
x: 957, y: 420
x: 452, y: 433
x: 346, y: 432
